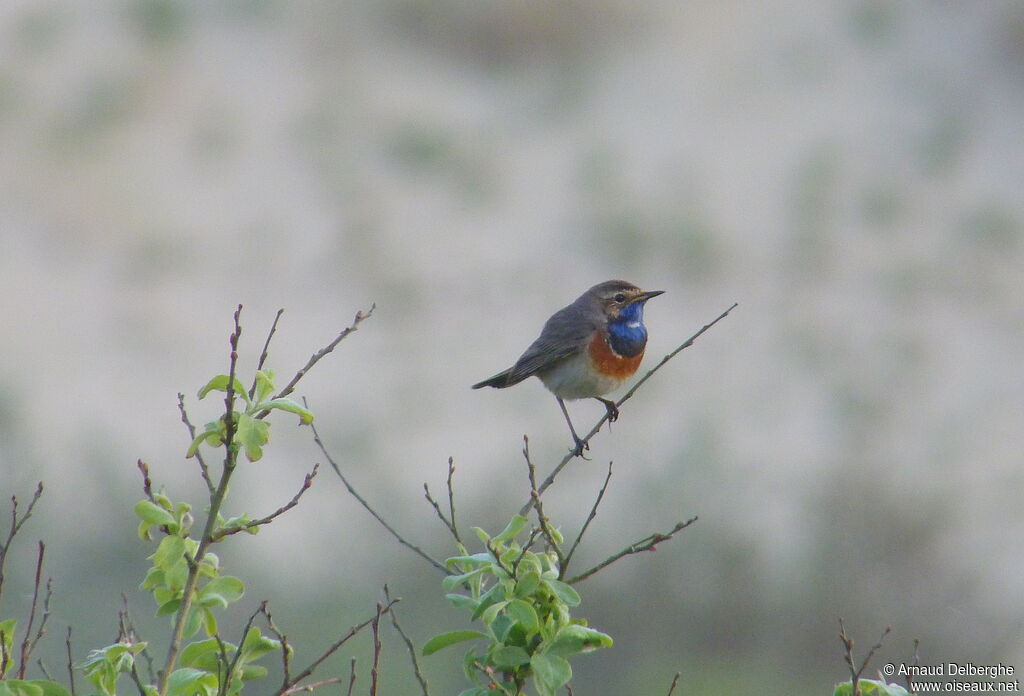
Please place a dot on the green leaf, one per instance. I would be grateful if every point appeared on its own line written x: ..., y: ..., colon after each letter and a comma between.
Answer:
x: 203, y: 654
x: 460, y: 601
x: 550, y: 673
x: 168, y: 607
x: 50, y: 688
x: 564, y: 592
x: 476, y: 559
x: 453, y: 581
x: 527, y: 584
x: 475, y: 691
x: 169, y: 552
x: 20, y: 687
x: 154, y: 514
x: 524, y: 614
x: 870, y: 687
x: 304, y: 414
x: 513, y: 528
x: 189, y: 681
x: 443, y: 640
x: 489, y: 614
x: 252, y: 434
x: 220, y: 383
x: 221, y: 592
x: 483, y: 536
x: 574, y: 639
x: 264, y: 384
x: 7, y: 628
x: 257, y: 645
x: 510, y: 656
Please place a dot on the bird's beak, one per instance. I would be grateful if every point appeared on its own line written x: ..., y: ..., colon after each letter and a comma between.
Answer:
x: 644, y: 296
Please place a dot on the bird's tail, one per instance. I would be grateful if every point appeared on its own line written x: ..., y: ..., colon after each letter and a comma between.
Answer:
x: 499, y: 381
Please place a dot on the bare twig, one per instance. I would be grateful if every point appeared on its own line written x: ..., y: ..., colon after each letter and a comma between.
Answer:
x: 408, y: 644
x: 315, y: 358
x: 847, y: 642
x: 16, y: 524
x: 28, y: 643
x: 333, y: 648
x: 355, y: 494
x: 628, y: 395
x: 590, y: 518
x: 216, y: 500
x: 675, y: 680
x: 71, y: 668
x: 352, y: 677
x: 230, y: 666
x: 646, y: 544
x: 542, y: 520
x: 437, y: 509
x: 449, y: 521
x: 204, y: 471
x: 285, y: 648
x: 263, y: 354
x: 374, y: 669
x: 312, y: 686
x: 916, y: 662
x: 451, y: 499
x: 306, y: 483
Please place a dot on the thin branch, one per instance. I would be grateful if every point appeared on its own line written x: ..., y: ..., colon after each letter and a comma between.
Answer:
x: 285, y: 648
x: 646, y: 544
x: 263, y: 355
x: 28, y: 643
x: 71, y: 668
x: 216, y: 500
x: 288, y: 687
x: 538, y: 507
x: 916, y: 662
x: 352, y: 677
x: 451, y: 499
x: 437, y: 509
x: 204, y: 471
x: 16, y: 524
x: 449, y: 521
x: 306, y: 483
x: 315, y: 358
x: 312, y: 686
x: 590, y: 517
x: 374, y: 669
x: 226, y: 682
x: 408, y: 644
x: 46, y: 615
x: 628, y: 395
x: 355, y: 494
x: 675, y: 680
x: 847, y: 643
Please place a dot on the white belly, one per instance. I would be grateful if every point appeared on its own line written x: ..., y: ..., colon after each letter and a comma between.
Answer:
x: 574, y: 379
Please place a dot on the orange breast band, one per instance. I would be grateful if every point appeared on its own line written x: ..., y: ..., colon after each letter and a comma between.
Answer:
x: 607, y: 363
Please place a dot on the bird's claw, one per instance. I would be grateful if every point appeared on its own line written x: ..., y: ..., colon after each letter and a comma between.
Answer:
x: 581, y: 447
x: 613, y: 410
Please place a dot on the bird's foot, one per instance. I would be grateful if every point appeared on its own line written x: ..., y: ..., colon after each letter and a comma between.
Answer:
x: 581, y: 447
x: 613, y: 410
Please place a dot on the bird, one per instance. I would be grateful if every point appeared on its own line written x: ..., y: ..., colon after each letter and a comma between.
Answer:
x: 586, y: 349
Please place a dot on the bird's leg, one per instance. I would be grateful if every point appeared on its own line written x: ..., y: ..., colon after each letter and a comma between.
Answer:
x: 613, y: 410
x: 581, y: 446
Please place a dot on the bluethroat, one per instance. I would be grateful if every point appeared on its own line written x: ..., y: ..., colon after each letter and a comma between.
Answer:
x: 586, y: 349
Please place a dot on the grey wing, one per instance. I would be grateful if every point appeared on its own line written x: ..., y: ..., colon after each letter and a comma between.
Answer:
x: 565, y: 334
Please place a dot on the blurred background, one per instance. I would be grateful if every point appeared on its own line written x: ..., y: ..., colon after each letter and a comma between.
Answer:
x: 850, y: 172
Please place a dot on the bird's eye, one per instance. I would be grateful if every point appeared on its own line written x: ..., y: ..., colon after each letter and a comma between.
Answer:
x: 619, y: 297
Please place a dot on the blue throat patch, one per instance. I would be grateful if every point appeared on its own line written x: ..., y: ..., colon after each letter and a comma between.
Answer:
x: 627, y: 334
